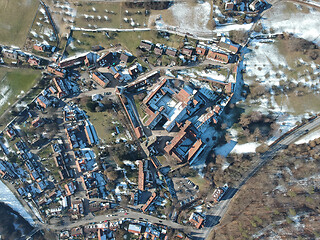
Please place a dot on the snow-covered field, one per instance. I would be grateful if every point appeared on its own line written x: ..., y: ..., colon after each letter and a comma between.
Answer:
x: 300, y: 23
x: 191, y: 18
x: 309, y: 137
x: 7, y: 197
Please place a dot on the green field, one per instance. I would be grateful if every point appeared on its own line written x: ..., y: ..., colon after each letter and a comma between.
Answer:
x: 15, y: 20
x: 14, y: 83
x: 129, y: 40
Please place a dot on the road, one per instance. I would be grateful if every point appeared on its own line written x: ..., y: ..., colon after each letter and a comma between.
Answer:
x: 117, y: 216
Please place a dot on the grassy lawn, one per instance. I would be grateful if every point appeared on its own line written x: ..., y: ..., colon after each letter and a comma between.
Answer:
x: 45, y: 152
x: 129, y: 40
x: 201, y: 182
x: 15, y: 20
x: 138, y: 106
x: 14, y: 83
x: 105, y: 124
x: 300, y: 104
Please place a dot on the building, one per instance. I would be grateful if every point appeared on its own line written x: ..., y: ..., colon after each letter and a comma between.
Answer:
x: 43, y: 101
x: 147, y: 45
x: 217, y: 56
x: 165, y: 102
x: 76, y: 232
x: 62, y: 90
x: 171, y: 52
x: 185, y: 146
x: 54, y: 69
x: 229, y: 6
x: 125, y: 56
x: 135, y: 229
x: 188, y: 51
x: 11, y: 132
x: 257, y: 5
x: 201, y: 50
x: 146, y: 206
x: 226, y: 45
x: 101, y: 79
x: 91, y: 60
x: 73, y: 61
x: 91, y: 133
x: 129, y: 111
x: 37, y: 122
x: 141, y: 177
x: 159, y: 49
x: 197, y: 220
x: 70, y: 188
x: 33, y: 61
x: 38, y: 47
x: 218, y: 194
x: 105, y: 59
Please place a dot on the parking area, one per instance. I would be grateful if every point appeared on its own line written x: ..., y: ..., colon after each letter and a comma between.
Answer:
x: 186, y: 190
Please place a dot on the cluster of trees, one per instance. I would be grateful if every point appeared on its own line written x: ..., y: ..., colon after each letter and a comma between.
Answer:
x: 257, y: 126
x: 95, y: 106
x: 11, y: 223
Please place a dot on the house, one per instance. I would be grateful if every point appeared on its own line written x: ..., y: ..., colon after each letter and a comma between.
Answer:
x: 10, y: 54
x: 226, y: 45
x: 197, y: 220
x: 43, y: 101
x: 228, y: 6
x: 54, y: 69
x: 105, y: 59
x: 39, y: 47
x: 257, y: 4
x: 124, y: 57
x: 11, y: 132
x: 201, y: 50
x: 218, y: 194
x: 62, y: 90
x: 77, y: 207
x: 94, y: 206
x: 70, y: 188
x: 188, y: 51
x: 141, y: 177
x: 37, y: 122
x: 159, y: 49
x: 135, y: 229
x: 91, y: 59
x: 145, y: 44
x: 101, y: 79
x: 76, y: 232
x: 171, y: 52
x: 73, y: 61
x: 33, y: 61
x: 149, y: 202
x: 217, y: 56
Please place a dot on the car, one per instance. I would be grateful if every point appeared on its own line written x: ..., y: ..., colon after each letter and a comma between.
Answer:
x: 125, y: 213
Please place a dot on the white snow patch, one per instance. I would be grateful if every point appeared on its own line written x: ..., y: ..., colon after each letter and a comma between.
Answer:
x: 246, y: 148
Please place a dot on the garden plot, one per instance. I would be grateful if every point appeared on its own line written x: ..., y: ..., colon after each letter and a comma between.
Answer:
x: 41, y: 31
